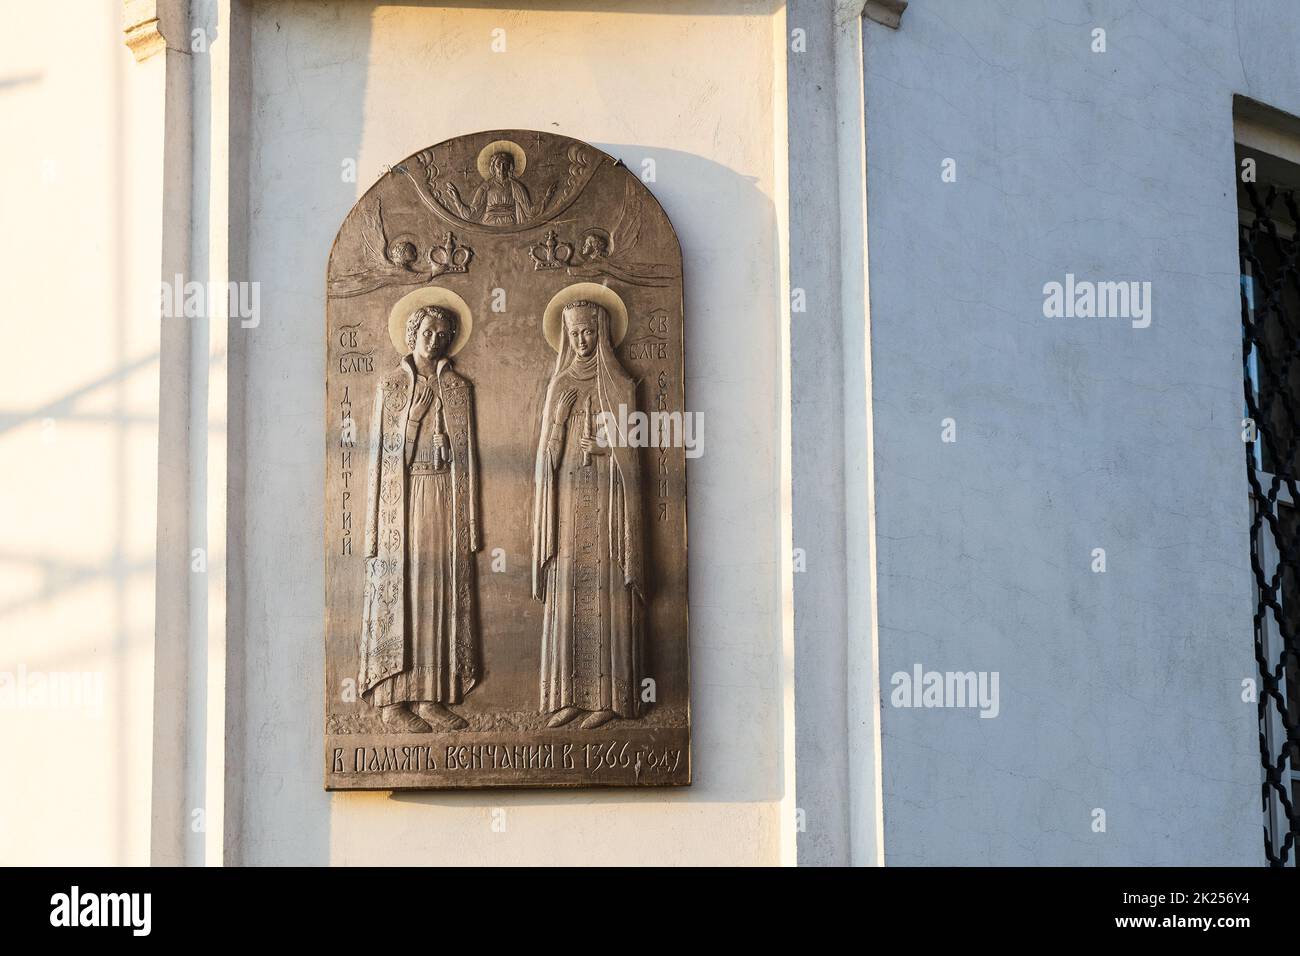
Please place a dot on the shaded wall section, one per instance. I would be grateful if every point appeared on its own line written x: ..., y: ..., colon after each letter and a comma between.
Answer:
x: 1119, y: 691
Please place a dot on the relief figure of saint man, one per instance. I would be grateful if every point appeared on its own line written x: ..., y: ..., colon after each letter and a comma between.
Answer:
x: 418, y: 651
x: 587, y: 531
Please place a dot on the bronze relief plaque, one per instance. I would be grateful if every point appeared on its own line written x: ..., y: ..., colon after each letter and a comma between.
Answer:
x: 505, y: 490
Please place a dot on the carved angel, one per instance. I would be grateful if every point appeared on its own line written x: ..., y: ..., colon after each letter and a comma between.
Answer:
x: 602, y: 254
x: 386, y: 262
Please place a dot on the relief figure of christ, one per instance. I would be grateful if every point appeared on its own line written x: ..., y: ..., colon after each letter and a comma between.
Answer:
x: 418, y: 649
x: 588, y: 536
x: 502, y: 200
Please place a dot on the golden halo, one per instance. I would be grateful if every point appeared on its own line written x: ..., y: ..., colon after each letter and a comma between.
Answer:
x: 430, y: 295
x: 592, y: 292
x: 500, y: 146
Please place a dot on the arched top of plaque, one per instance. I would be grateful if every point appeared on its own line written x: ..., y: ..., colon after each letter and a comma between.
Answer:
x: 587, y: 214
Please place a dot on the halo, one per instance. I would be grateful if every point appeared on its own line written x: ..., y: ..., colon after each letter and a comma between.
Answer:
x: 430, y: 295
x: 500, y: 146
x: 592, y: 292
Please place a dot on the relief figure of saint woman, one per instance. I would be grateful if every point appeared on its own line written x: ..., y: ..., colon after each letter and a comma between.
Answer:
x: 587, y: 531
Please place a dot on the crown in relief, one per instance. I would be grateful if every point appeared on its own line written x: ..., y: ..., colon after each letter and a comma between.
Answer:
x: 451, y: 256
x: 550, y: 253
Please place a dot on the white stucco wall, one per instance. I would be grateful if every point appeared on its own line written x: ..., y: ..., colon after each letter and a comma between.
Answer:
x: 1122, y: 690
x: 81, y: 203
x: 1119, y: 691
x: 374, y: 83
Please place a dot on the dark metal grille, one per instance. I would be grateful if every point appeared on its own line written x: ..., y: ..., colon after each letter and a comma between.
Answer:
x: 1270, y: 314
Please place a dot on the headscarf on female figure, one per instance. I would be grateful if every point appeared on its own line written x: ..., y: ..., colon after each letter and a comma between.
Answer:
x: 587, y: 532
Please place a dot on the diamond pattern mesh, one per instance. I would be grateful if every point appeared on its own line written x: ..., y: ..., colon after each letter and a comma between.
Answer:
x: 1270, y: 310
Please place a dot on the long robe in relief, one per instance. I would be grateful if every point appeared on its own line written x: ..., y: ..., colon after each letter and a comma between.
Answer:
x: 418, y: 617
x: 587, y: 542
